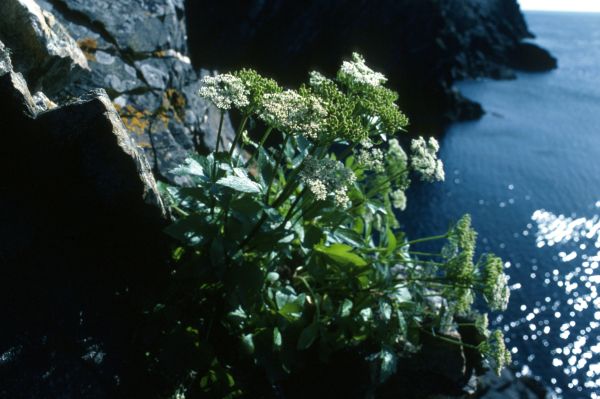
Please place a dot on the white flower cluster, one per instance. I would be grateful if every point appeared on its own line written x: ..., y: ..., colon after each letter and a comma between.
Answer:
x: 371, y: 159
x: 358, y: 72
x: 225, y: 91
x: 424, y: 159
x: 396, y: 152
x: 327, y: 177
x: 398, y: 199
x: 294, y: 113
x: 316, y: 79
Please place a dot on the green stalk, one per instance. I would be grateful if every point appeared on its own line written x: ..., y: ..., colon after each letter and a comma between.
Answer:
x: 238, y: 134
x: 214, y: 168
x: 450, y: 340
x: 277, y: 162
x: 220, y: 130
x: 260, y: 144
x: 432, y: 238
x: 290, y: 213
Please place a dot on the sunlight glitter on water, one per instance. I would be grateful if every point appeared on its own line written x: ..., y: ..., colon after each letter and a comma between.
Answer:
x: 575, y: 243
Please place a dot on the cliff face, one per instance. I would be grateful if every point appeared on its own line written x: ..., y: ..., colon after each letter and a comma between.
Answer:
x: 134, y: 49
x: 423, y: 46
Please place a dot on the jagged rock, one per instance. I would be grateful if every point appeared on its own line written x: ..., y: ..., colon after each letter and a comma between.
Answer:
x: 422, y: 46
x: 81, y: 246
x: 137, y: 51
x: 42, y: 50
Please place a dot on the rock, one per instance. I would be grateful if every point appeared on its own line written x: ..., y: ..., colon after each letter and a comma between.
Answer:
x: 42, y: 49
x: 81, y: 246
x: 530, y: 57
x: 423, y: 47
x: 137, y: 51
x: 509, y: 386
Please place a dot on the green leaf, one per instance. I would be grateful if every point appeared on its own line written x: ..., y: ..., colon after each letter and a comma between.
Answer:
x: 240, y: 182
x: 401, y: 322
x: 341, y: 254
x: 348, y: 236
x: 385, y: 310
x: 391, y: 241
x: 366, y: 314
x: 401, y: 294
x: 308, y: 336
x: 192, y: 230
x: 346, y: 308
x: 190, y: 167
x: 290, y: 305
x: 277, y: 340
x: 239, y: 314
x: 248, y: 343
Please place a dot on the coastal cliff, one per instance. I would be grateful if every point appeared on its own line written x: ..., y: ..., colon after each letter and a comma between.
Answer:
x: 81, y: 267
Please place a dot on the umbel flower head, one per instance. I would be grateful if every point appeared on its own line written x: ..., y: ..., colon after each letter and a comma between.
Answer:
x: 424, y: 159
x: 224, y: 91
x: 257, y: 87
x: 398, y: 198
x: 495, y: 285
x: 327, y: 178
x: 294, y: 113
x: 370, y: 158
x: 495, y: 350
x: 357, y: 71
x: 460, y: 251
x: 395, y: 153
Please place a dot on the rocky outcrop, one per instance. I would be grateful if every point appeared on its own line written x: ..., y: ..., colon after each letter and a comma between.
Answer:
x: 81, y: 245
x: 136, y: 50
x: 42, y: 49
x: 423, y: 46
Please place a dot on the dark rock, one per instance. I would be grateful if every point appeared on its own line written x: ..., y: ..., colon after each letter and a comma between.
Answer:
x: 137, y: 51
x: 81, y: 246
x: 42, y: 49
x: 423, y: 46
x: 509, y: 386
x: 530, y: 57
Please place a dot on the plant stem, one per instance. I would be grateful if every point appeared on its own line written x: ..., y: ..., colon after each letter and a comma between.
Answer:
x: 260, y: 144
x: 220, y: 131
x: 277, y: 162
x: 238, y: 134
x: 290, y: 212
x: 425, y: 239
x: 450, y: 340
x: 424, y: 253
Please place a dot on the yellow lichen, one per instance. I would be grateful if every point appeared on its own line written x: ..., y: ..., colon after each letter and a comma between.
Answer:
x: 89, y: 46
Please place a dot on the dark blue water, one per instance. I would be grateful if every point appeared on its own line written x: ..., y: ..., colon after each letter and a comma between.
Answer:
x: 529, y: 174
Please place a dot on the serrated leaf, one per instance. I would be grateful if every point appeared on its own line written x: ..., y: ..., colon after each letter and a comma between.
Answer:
x: 190, y: 167
x: 240, y: 183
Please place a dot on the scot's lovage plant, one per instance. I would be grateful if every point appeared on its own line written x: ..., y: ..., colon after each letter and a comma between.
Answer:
x: 297, y: 247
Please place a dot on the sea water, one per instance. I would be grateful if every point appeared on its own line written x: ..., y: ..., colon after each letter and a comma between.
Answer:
x: 529, y: 174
